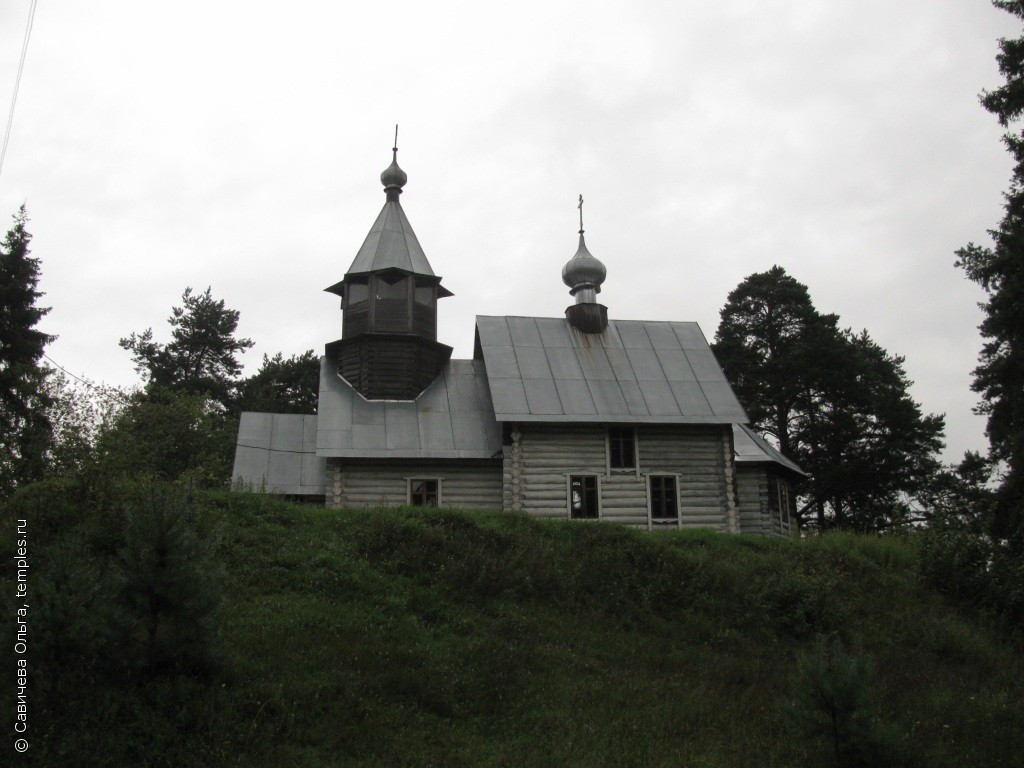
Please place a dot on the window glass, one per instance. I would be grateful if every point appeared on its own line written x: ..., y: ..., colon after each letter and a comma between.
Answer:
x: 583, y: 497
x: 423, y: 493
x: 663, y: 497
x: 621, y: 448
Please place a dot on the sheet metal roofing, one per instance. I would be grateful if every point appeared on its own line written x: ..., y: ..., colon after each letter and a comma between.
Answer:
x: 639, y: 371
x: 391, y: 244
x: 452, y: 418
x: 751, y: 448
x: 276, y: 452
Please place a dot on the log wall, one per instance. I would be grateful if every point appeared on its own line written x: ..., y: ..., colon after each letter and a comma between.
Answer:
x: 471, y: 484
x: 540, y: 459
x: 757, y: 490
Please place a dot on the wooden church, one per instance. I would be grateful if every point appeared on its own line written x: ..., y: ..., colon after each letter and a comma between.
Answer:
x: 576, y: 417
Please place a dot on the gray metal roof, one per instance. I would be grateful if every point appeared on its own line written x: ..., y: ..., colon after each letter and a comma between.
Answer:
x: 751, y: 448
x: 276, y: 452
x: 453, y: 418
x: 391, y: 244
x: 636, y: 371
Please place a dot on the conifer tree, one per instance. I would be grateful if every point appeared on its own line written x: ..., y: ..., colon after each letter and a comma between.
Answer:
x: 999, y: 270
x: 835, y: 402
x: 201, y: 358
x: 282, y: 385
x: 25, y: 431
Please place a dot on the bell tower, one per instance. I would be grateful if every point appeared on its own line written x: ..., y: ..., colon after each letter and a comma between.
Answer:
x: 388, y: 348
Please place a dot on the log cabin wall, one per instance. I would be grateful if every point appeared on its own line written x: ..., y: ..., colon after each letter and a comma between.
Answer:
x: 766, y: 502
x: 540, y: 459
x: 752, y: 492
x: 364, y: 483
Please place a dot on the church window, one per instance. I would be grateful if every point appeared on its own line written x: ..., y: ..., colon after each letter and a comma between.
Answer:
x: 424, y: 492
x: 394, y: 290
x: 621, y: 448
x: 425, y: 295
x: 664, y: 499
x: 357, y: 293
x: 584, y: 500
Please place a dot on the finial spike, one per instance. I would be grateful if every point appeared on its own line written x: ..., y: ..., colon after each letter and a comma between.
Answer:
x: 580, y: 206
x: 395, y: 147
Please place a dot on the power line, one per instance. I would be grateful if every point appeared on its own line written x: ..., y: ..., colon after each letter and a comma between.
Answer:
x: 102, y: 391
x: 17, y: 81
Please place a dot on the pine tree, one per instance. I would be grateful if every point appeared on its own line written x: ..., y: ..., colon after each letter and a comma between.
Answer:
x: 835, y: 402
x: 999, y: 270
x: 171, y: 582
x: 25, y: 431
x: 201, y: 356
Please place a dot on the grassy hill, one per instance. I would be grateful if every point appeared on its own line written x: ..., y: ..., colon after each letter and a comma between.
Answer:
x: 448, y: 638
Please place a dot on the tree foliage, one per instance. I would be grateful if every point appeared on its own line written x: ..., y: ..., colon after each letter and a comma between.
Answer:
x: 24, y: 427
x: 165, y: 433
x: 171, y: 583
x: 201, y: 358
x: 834, y: 401
x: 282, y: 385
x: 79, y: 411
x: 999, y: 270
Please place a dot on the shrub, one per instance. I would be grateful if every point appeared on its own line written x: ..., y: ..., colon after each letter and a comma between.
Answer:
x: 833, y: 703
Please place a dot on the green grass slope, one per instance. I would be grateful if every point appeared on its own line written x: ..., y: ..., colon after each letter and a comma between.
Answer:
x: 445, y: 638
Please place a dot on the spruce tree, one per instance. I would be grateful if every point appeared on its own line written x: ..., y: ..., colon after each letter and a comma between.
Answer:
x: 25, y: 431
x: 999, y: 270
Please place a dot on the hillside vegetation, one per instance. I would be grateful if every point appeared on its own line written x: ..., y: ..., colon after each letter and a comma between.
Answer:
x: 407, y: 637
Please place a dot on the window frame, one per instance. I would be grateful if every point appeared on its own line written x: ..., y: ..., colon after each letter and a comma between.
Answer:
x: 596, y: 494
x: 437, y: 491
x: 659, y: 522
x: 609, y: 440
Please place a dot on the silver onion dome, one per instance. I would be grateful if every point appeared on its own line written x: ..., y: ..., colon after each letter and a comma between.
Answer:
x: 583, y: 270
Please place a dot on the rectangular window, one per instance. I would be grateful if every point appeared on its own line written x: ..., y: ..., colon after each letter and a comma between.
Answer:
x: 424, y: 493
x: 621, y: 448
x: 583, y: 499
x: 664, y: 505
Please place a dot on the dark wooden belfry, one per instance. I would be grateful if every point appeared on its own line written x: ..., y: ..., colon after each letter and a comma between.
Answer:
x: 388, y: 348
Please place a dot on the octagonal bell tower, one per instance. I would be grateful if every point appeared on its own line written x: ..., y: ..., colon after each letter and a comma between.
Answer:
x: 388, y: 348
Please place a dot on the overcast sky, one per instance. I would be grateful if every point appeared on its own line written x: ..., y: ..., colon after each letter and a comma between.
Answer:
x: 238, y: 145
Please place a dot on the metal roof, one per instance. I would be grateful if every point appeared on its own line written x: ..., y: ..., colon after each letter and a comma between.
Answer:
x: 751, y: 448
x: 276, y: 452
x: 452, y: 418
x: 636, y: 371
x: 391, y: 244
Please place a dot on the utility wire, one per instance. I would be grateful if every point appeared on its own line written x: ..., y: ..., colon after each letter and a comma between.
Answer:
x: 102, y: 391
x: 17, y: 82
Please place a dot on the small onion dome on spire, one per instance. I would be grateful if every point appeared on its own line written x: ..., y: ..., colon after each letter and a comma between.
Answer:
x: 583, y: 273
x: 393, y: 177
x: 583, y: 270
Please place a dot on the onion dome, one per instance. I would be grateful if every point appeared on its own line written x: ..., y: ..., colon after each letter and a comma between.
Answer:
x: 583, y: 270
x: 394, y: 177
